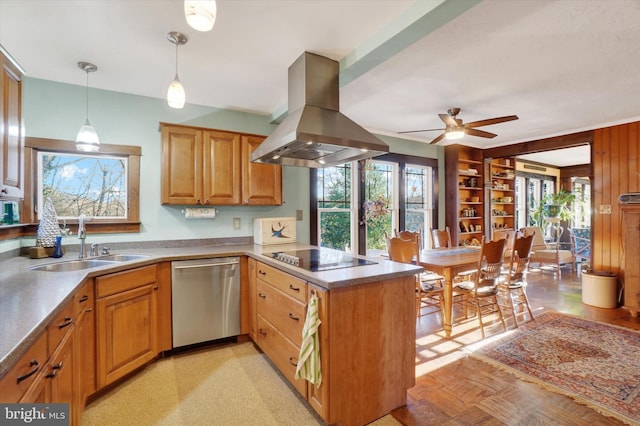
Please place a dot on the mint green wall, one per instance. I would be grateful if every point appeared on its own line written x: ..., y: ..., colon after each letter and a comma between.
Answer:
x: 56, y: 111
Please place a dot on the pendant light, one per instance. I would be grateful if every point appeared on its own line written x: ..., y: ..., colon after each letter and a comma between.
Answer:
x: 175, y: 94
x: 87, y: 139
x: 200, y: 14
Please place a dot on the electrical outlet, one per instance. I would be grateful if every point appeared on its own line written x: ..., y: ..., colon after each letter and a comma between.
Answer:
x: 236, y: 223
x: 298, y: 215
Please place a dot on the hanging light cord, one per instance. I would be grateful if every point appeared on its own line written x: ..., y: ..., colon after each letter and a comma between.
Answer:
x: 176, y: 61
x: 87, y: 92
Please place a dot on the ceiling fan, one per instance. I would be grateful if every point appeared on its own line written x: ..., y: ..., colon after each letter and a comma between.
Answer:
x: 455, y: 128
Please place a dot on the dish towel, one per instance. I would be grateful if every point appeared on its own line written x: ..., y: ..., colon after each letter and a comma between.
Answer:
x: 309, y: 359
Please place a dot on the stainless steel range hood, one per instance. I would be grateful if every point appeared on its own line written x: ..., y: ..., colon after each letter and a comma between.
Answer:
x: 315, y: 133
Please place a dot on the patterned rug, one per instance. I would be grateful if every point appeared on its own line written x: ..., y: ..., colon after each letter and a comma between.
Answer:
x: 596, y: 364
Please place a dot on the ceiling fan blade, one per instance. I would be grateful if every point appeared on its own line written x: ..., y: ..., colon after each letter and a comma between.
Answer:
x: 479, y: 133
x: 448, y: 120
x: 490, y: 121
x: 438, y: 139
x: 418, y: 131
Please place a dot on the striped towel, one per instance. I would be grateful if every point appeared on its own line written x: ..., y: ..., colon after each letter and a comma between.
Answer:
x: 309, y: 359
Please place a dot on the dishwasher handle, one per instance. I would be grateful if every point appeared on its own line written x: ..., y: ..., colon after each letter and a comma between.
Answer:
x: 205, y: 265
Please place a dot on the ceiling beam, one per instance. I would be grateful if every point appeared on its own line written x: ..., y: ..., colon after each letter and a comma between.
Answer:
x: 540, y: 145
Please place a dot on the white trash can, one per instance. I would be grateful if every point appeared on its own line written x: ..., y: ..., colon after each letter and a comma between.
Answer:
x: 600, y: 288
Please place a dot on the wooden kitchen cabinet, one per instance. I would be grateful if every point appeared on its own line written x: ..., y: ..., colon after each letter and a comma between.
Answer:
x: 212, y: 167
x: 252, y: 299
x: 126, y: 322
x: 26, y: 374
x: 631, y: 245
x: 85, y: 343
x: 261, y: 183
x: 366, y: 335
x: 11, y: 129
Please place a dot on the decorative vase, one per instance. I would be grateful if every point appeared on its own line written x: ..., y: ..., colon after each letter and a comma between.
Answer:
x: 57, y: 251
x: 551, y: 210
x: 48, y: 229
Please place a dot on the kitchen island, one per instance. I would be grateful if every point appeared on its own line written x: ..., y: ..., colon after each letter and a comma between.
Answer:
x: 367, y: 339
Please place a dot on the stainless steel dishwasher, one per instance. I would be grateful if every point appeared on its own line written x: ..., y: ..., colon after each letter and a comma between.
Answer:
x: 205, y: 299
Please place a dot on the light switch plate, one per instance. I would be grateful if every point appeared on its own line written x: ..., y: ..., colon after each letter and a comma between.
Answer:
x: 298, y: 215
x: 605, y: 209
x: 236, y: 223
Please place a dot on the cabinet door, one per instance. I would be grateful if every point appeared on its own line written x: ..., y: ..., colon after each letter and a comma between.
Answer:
x: 127, y: 332
x: 11, y: 132
x: 181, y: 165
x: 85, y: 341
x: 318, y: 397
x: 61, y: 376
x: 261, y: 183
x: 221, y: 168
x: 631, y: 240
x: 253, y: 308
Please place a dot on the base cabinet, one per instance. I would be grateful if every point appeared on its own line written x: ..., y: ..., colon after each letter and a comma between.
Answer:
x: 126, y: 322
x: 631, y: 244
x: 366, y: 336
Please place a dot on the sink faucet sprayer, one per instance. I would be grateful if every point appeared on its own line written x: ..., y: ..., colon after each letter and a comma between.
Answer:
x: 82, y: 235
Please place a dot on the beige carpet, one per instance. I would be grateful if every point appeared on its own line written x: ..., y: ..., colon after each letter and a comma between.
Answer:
x: 227, y: 385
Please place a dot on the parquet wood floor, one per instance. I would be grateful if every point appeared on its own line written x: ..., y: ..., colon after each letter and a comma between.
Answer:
x: 452, y: 389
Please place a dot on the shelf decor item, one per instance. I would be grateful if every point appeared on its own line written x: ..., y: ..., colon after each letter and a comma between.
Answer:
x: 48, y: 229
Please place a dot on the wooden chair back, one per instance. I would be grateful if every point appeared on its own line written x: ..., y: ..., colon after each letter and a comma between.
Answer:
x: 440, y: 239
x: 410, y: 235
x: 404, y: 251
x: 520, y: 259
x: 509, y: 235
x: 491, y: 259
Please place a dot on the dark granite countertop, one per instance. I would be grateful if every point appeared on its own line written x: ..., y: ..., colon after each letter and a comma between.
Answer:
x: 30, y: 299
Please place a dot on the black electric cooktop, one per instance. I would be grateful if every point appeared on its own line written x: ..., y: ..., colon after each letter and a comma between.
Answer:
x: 316, y: 260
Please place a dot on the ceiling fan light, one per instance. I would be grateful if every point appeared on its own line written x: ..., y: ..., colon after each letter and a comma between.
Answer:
x: 200, y: 14
x: 176, y: 95
x: 454, y: 134
x: 87, y: 139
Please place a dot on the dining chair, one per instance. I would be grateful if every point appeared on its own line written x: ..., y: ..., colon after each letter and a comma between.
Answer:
x: 512, y: 295
x: 410, y: 235
x: 481, y: 291
x: 429, y: 286
x: 440, y: 239
x: 510, y: 236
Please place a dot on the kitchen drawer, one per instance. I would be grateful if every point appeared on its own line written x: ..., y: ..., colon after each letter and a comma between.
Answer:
x: 59, y: 327
x: 27, y: 368
x: 286, y: 313
x: 125, y: 280
x: 84, y: 299
x: 288, y: 284
x: 281, y: 352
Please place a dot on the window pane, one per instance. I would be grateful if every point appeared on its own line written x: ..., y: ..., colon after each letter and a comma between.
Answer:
x: 335, y: 230
x: 379, y: 202
x: 334, y: 187
x: 83, y: 184
x: 417, y: 200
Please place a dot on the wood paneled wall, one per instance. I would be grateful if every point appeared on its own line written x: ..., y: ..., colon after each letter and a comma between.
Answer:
x: 614, y: 157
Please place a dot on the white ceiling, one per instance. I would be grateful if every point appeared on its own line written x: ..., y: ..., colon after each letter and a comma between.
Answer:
x: 561, y: 66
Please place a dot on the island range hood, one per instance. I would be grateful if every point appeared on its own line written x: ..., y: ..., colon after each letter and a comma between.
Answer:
x: 314, y: 133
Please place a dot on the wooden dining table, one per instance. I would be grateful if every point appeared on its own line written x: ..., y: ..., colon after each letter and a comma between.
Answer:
x: 449, y: 262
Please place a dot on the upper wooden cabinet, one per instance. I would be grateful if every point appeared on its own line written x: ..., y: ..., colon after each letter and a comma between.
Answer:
x: 11, y: 129
x: 213, y: 167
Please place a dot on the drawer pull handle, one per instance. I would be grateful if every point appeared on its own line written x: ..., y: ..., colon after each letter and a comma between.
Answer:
x: 293, y: 361
x: 261, y: 272
x: 261, y: 331
x: 67, y: 321
x: 89, y: 310
x: 36, y: 366
x: 262, y: 295
x: 291, y: 287
x: 84, y: 298
x: 293, y: 318
x: 55, y: 369
x: 58, y: 366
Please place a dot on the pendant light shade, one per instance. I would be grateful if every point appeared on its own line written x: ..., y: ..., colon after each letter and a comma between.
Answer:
x: 200, y: 14
x: 87, y: 139
x: 175, y: 94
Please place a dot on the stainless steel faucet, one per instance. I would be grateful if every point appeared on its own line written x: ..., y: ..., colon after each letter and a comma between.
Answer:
x: 95, y: 249
x: 82, y: 235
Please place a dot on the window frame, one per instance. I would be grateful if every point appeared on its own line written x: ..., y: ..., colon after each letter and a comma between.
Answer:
x: 130, y: 224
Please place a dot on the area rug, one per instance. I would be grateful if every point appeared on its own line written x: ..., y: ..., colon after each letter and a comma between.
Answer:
x: 595, y: 364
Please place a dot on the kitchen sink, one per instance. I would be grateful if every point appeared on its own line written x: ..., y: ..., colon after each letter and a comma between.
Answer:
x: 123, y: 257
x: 73, y: 265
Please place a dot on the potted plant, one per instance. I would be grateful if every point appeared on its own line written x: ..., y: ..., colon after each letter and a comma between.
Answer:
x: 554, y: 205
